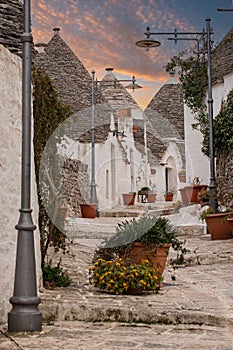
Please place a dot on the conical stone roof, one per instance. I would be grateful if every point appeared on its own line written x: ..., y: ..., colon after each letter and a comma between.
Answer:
x: 67, y: 73
x: 11, y: 25
x: 166, y: 110
x: 222, y: 58
x: 74, y: 86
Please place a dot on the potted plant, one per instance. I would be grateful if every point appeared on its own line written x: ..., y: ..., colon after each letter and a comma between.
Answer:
x: 151, y: 197
x: 169, y: 196
x: 88, y: 210
x: 182, y: 175
x: 146, y: 238
x: 147, y: 195
x: 129, y: 198
x: 193, y: 190
x: 119, y: 276
x: 217, y: 223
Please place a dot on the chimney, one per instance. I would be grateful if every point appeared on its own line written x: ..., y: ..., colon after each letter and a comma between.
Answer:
x: 56, y: 31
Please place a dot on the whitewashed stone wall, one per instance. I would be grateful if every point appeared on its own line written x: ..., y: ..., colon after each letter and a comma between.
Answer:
x: 196, y: 163
x: 10, y: 174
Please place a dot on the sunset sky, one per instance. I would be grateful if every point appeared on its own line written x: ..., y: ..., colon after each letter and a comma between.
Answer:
x: 102, y: 33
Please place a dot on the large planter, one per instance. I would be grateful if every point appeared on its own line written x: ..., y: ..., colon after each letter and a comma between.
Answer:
x: 183, y: 196
x: 218, y: 226
x: 193, y: 191
x: 88, y: 210
x: 129, y: 198
x: 156, y: 254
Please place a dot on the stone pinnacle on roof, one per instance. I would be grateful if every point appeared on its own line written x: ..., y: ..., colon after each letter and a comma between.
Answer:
x: 56, y: 31
x: 115, y: 93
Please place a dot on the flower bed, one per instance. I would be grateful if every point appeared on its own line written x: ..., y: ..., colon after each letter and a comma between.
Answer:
x: 123, y: 277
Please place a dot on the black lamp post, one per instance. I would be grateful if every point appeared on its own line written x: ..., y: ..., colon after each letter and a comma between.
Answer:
x: 25, y: 315
x: 206, y: 36
x: 95, y: 82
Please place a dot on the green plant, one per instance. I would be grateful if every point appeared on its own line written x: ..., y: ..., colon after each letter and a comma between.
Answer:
x: 203, y: 196
x: 146, y: 230
x: 145, y: 188
x: 193, y: 78
x: 122, y: 277
x: 169, y: 192
x: 223, y: 125
x: 54, y: 276
x: 48, y: 113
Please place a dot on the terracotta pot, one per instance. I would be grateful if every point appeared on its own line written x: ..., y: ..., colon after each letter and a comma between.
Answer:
x: 151, y: 198
x: 155, y: 253
x: 218, y: 226
x: 88, y: 210
x: 168, y: 197
x: 129, y: 198
x: 183, y: 196
x: 182, y: 177
x: 135, y: 129
x: 192, y: 193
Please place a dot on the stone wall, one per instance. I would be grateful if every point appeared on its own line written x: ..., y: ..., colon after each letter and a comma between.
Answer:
x: 10, y: 179
x: 76, y: 184
x: 224, y: 173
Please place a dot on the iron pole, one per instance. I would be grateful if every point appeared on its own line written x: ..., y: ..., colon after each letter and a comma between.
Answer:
x: 212, y: 185
x: 93, y: 184
x: 25, y: 315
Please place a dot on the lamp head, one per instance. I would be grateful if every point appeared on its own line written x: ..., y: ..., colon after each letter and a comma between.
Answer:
x: 133, y: 86
x: 147, y: 43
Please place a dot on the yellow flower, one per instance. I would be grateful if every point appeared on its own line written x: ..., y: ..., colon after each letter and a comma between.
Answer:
x: 145, y: 261
x: 142, y: 282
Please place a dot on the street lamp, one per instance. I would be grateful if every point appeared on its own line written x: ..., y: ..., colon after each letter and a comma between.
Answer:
x: 113, y: 83
x: 206, y: 35
x: 25, y: 315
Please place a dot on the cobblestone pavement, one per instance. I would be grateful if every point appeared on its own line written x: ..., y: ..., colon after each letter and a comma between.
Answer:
x: 194, y: 311
x: 78, y: 335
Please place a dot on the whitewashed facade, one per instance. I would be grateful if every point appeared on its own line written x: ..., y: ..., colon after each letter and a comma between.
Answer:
x: 10, y: 179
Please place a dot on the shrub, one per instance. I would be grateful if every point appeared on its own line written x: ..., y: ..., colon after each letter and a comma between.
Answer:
x: 55, y: 276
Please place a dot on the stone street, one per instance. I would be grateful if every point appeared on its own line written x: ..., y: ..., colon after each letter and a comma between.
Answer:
x: 193, y: 311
